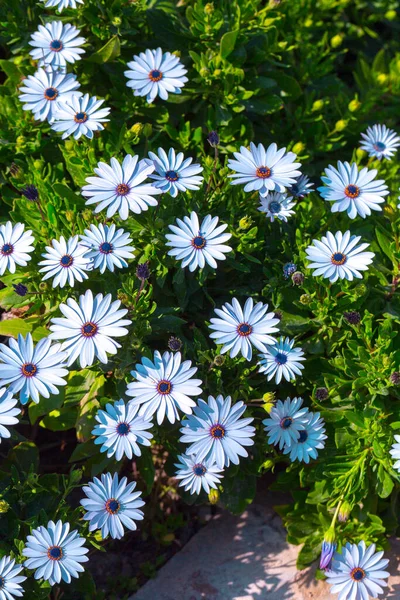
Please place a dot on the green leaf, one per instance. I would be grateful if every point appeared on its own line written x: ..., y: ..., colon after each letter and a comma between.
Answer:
x: 355, y: 418
x: 146, y: 468
x: 60, y: 419
x: 384, y: 242
x: 12, y: 327
x: 238, y: 493
x: 25, y: 456
x: 385, y: 484
x: 109, y: 51
x: 287, y: 84
x: 227, y: 43
x: 65, y: 192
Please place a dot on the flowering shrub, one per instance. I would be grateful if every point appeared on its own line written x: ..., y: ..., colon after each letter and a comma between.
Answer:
x: 199, y: 253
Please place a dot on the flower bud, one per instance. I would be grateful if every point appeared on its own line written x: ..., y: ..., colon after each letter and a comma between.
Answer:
x: 245, y: 222
x: 219, y: 360
x: 143, y: 271
x: 321, y: 394
x: 174, y: 344
x: 70, y: 216
x: 354, y: 105
x: 204, y: 72
x: 213, y: 139
x: 209, y: 8
x: 328, y: 549
x: 344, y: 512
x: 288, y: 269
x: 395, y: 378
x: 213, y: 496
x: 4, y: 506
x: 298, y: 278
x: 382, y: 78
x: 305, y: 299
x: 336, y: 41
x: 352, y: 317
x: 341, y: 125
x: 298, y: 148
x: 318, y: 105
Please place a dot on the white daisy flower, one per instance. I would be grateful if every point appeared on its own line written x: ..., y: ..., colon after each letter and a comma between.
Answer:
x: 55, y: 553
x: 42, y: 90
x: 32, y: 371
x: 277, y: 206
x: 380, y: 142
x: 357, y: 572
x: 65, y: 261
x: 395, y: 453
x: 112, y: 504
x: 15, y: 246
x: 285, y: 422
x: 89, y: 328
x: 196, y: 474
x: 61, y: 4
x: 10, y: 579
x: 263, y: 169
x: 121, y: 187
x: 356, y: 192
x: 153, y: 74
x: 197, y: 244
x: 56, y: 44
x: 164, y: 385
x: 121, y: 430
x: 216, y: 432
x: 311, y: 437
x: 338, y: 256
x: 301, y: 188
x: 81, y: 115
x: 108, y: 247
x: 174, y: 173
x: 8, y: 414
x: 282, y: 360
x: 238, y: 329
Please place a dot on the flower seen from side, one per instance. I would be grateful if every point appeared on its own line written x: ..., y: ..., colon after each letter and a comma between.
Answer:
x: 301, y: 188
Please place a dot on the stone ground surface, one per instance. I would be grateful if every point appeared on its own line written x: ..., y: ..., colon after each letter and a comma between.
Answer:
x: 245, y: 558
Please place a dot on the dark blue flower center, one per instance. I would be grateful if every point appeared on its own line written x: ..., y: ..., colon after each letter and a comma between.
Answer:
x: 51, y: 93
x: 7, y: 249
x: 155, y: 75
x: 338, y: 258
x: 263, y: 172
x: 55, y: 553
x: 352, y: 191
x: 80, y: 117
x: 198, y: 242
x: 89, y: 329
x: 357, y: 574
x: 199, y: 470
x: 66, y: 260
x: 122, y: 189
x: 294, y: 189
x: 303, y: 436
x: 56, y: 45
x: 217, y: 431
x: 123, y: 428
x: 164, y: 386
x: 274, y: 207
x: 286, y: 422
x: 379, y: 146
x: 244, y: 329
x: 112, y: 506
x: 172, y: 176
x: 2, y: 582
x: 105, y: 248
x: 29, y: 369
x: 280, y: 358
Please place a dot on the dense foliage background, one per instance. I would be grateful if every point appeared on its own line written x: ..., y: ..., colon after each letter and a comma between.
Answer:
x: 310, y: 75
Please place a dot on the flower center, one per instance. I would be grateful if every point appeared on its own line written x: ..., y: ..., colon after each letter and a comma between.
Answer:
x: 155, y: 75
x: 217, y: 431
x: 274, y: 207
x: 263, y: 172
x: 29, y: 369
x: 294, y: 189
x: 105, y: 248
x: 66, y: 260
x: 80, y: 117
x: 112, y: 505
x: 172, y: 176
x: 244, y: 329
x: 357, y: 574
x: 123, y: 428
x: 199, y: 470
x: 286, y: 422
x: 56, y: 45
x: 2, y: 582
x: 164, y: 387
x: 198, y: 242
x: 89, y: 329
x: 303, y: 436
x: 7, y: 249
x: 338, y: 258
x: 122, y: 189
x: 55, y: 553
x: 352, y: 191
x: 281, y: 358
x: 51, y: 93
x: 379, y: 146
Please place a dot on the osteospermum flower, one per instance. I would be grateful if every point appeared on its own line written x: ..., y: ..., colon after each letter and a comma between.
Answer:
x: 56, y: 44
x: 395, y: 453
x: 285, y: 421
x: 154, y: 73
x: 164, y: 385
x: 15, y: 246
x: 264, y: 169
x: 380, y: 142
x: 121, y: 430
x: 338, y: 256
x: 108, y: 247
x: 174, y: 173
x: 282, y: 360
x: 216, y: 432
x: 357, y: 572
x: 197, y: 244
x: 8, y: 414
x: 353, y: 191
x: 55, y: 553
x: 61, y: 4
x: 121, y: 187
x: 65, y: 261
x: 43, y: 90
x: 10, y: 579
x: 311, y: 437
x: 276, y: 206
x: 89, y: 328
x: 196, y: 474
x: 32, y: 371
x: 301, y: 188
x: 112, y: 504
x: 80, y: 115
x: 238, y: 329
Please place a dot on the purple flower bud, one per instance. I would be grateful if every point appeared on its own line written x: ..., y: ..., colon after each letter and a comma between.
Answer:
x: 20, y: 289
x: 327, y: 552
x: 213, y: 139
x: 31, y: 193
x: 143, y: 271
